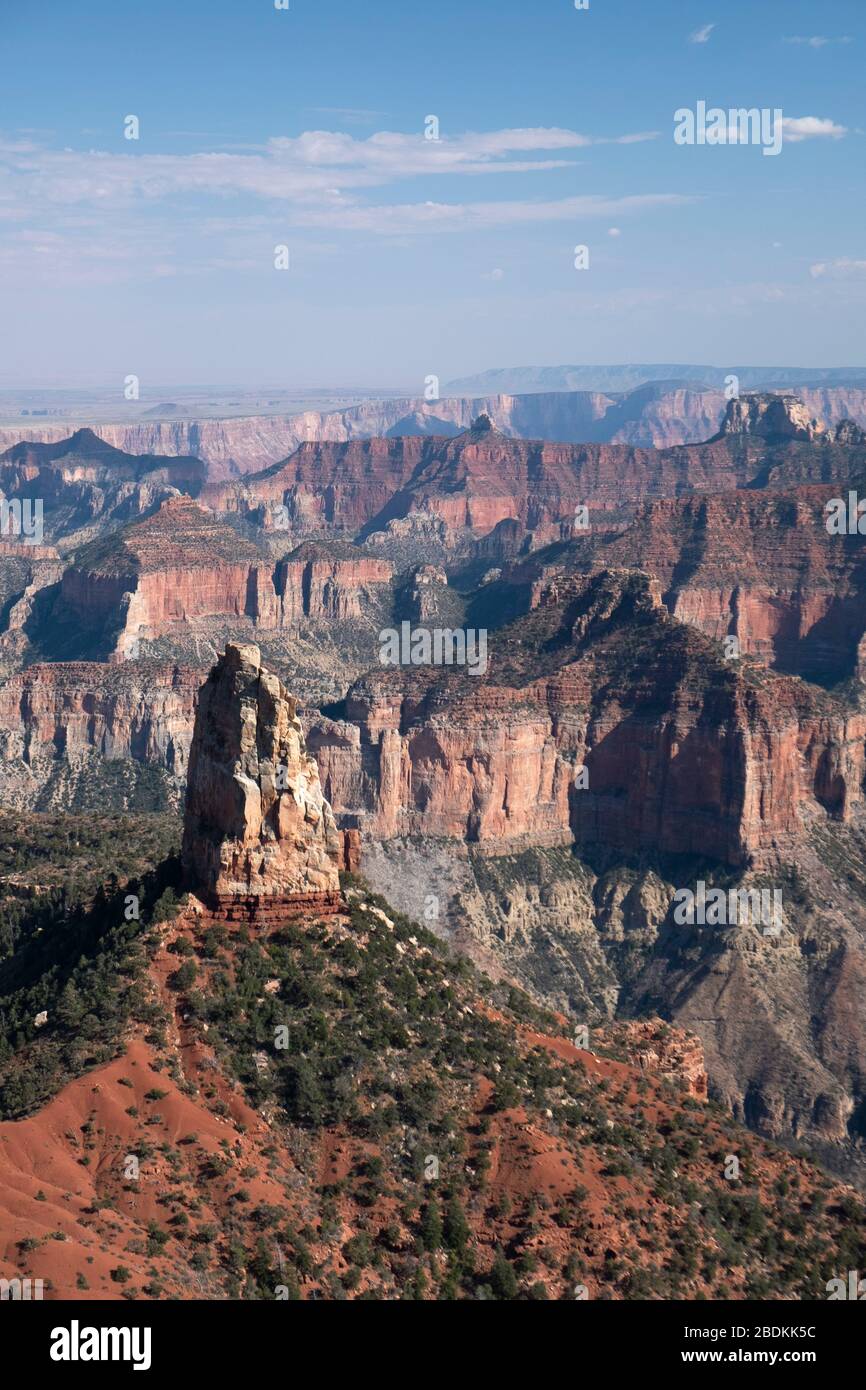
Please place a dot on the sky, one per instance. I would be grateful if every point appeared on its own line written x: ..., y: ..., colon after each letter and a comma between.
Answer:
x: 408, y: 257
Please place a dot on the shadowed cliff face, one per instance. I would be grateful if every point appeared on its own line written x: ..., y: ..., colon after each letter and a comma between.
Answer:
x: 86, y: 485
x: 256, y: 822
x: 757, y: 565
x: 684, y: 752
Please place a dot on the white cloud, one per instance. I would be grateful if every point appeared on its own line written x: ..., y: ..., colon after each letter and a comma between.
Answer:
x: 311, y: 165
x: 152, y: 205
x: 702, y: 35
x: 842, y: 268
x: 796, y: 128
x: 614, y: 231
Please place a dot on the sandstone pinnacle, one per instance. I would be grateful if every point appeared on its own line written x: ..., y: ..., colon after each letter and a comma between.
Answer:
x: 257, y: 825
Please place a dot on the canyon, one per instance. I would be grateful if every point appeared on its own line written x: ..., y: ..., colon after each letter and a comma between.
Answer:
x: 291, y: 1030
x: 66, y: 726
x: 181, y: 565
x: 757, y: 566
x: 673, y: 693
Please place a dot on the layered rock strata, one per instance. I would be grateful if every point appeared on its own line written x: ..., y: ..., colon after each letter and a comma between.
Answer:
x: 259, y: 835
x: 683, y: 752
x: 183, y: 568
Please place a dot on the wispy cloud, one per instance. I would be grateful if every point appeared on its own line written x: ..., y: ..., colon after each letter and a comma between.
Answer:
x: 816, y: 40
x: 702, y: 35
x: 406, y: 218
x: 310, y: 166
x: 350, y: 115
x: 153, y: 206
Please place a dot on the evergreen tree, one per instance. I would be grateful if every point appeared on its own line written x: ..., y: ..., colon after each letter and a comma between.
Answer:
x: 503, y: 1280
x: 456, y: 1227
x: 431, y: 1226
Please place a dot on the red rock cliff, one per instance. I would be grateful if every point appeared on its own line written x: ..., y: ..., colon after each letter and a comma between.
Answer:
x: 683, y: 752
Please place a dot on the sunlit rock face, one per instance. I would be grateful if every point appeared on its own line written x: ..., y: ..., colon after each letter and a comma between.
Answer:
x: 257, y: 825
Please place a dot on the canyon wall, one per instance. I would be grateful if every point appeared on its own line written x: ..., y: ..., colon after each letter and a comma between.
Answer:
x: 761, y: 567
x: 652, y: 415
x: 469, y: 484
x: 464, y: 488
x: 66, y: 718
x: 683, y: 753
x: 182, y: 567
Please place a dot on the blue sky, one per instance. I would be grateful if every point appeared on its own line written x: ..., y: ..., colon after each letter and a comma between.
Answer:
x: 411, y: 257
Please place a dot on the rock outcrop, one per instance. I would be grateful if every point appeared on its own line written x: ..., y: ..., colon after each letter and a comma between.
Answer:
x: 259, y: 837
x: 771, y: 416
x: 176, y: 566
x: 327, y: 584
x: 779, y: 416
x: 85, y: 484
x: 669, y: 1052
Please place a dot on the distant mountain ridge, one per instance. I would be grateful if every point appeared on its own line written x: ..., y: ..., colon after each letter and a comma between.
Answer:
x: 628, y: 376
x: 655, y: 413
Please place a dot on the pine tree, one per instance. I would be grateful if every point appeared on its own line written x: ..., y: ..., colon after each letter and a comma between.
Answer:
x: 503, y: 1280
x: 456, y: 1227
x: 431, y: 1226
